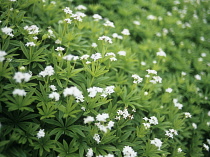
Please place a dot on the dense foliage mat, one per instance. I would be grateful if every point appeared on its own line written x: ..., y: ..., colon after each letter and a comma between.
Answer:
x: 104, y: 78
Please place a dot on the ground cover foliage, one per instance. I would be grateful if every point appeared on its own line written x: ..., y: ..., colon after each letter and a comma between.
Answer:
x: 104, y: 78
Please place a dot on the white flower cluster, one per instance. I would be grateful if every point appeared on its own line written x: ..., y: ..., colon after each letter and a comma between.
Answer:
x: 179, y: 150
x: 136, y: 23
x: 187, y: 115
x: 74, y: 91
x: 129, y: 152
x: 19, y: 92
x: 81, y: 7
x: 67, y: 10
x: 156, y: 79
x: 171, y: 132
x: 54, y: 95
x: 108, y: 155
x: 125, y: 32
x: 2, y: 54
x: 30, y: 44
x: 90, y: 152
x: 33, y: 29
x: 97, y: 138
x: 41, y: 133
x: 206, y: 147
x: 48, y: 71
x: 109, y: 24
x: 137, y: 79
x: 169, y: 90
x: 97, y: 17
x: 104, y: 91
x: 121, y: 53
x: 151, y: 17
x: 157, y: 142
x: 115, y: 35
x: 71, y: 57
x: 161, y: 53
x: 96, y: 56
x: 78, y: 16
x: 113, y: 56
x: 60, y: 49
x: 125, y: 114
x: 106, y: 39
x: 8, y: 31
x: 152, y: 121
x: 101, y: 118
x: 20, y: 76
x: 177, y: 104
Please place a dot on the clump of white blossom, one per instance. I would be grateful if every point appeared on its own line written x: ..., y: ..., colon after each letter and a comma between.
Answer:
x: 187, y: 115
x: 8, y: 31
x: 41, y: 133
x: 150, y: 121
x: 157, y: 142
x: 97, y: 138
x: 124, y: 114
x: 90, y: 152
x: 96, y: 56
x: 71, y: 57
x: 94, y: 45
x: 19, y: 92
x: 121, y: 53
x: 115, y: 35
x: 125, y: 32
x: 113, y: 56
x: 48, y: 71
x: 31, y: 44
x: 137, y: 79
x: 109, y: 24
x: 171, y: 132
x: 54, y: 95
x: 161, y: 53
x: 106, y: 39
x: 89, y: 119
x: 74, y: 91
x: 33, y: 29
x: 60, y: 49
x: 97, y: 17
x: 2, y: 55
x: 19, y: 77
x: 129, y: 152
x: 177, y: 104
x: 169, y: 90
x: 81, y: 7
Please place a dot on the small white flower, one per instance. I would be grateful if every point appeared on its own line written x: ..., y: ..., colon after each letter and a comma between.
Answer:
x: 67, y: 10
x: 143, y: 63
x: 68, y: 20
x: 151, y: 71
x: 90, y: 152
x: 74, y: 91
x: 102, y: 117
x: 197, y: 77
x: 107, y: 91
x: 97, y: 17
x: 179, y: 150
x: 183, y: 73
x: 203, y: 54
x: 71, y: 57
x: 58, y: 41
x: 81, y: 7
x: 96, y: 56
x: 84, y: 57
x: 53, y: 87
x: 129, y: 152
x: 147, y: 125
x: 93, y: 91
x: 41, y: 133
x: 206, y: 146
x: 20, y: 76
x: 48, y: 71
x: 153, y: 120
x: 157, y: 142
x: 208, y: 141
x: 83, y: 108
x: 115, y: 35
x: 54, y: 95
x: 106, y: 39
x: 146, y: 93
x: 136, y: 23
x: 2, y: 54
x: 109, y: 24
x: 187, y: 115
x: 151, y: 17
x: 125, y: 32
x: 161, y: 53
x: 121, y: 53
x: 19, y: 92
x: 33, y: 29
x: 8, y: 31
x: 30, y: 44
x: 96, y: 137
x: 169, y: 90
x: 194, y: 125
x: 208, y: 113
x: 60, y: 49
x: 94, y: 45
x: 110, y: 125
x: 88, y: 119
x: 137, y: 78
